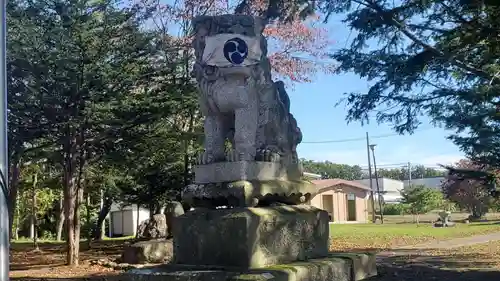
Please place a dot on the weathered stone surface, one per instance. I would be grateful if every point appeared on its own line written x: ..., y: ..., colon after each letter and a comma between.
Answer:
x: 441, y: 224
x: 243, y: 170
x: 153, y: 251
x: 364, y: 265
x: 242, y: 104
x: 444, y: 220
x: 324, y: 269
x: 238, y: 98
x: 227, y: 67
x: 177, y: 273
x: 250, y: 237
x: 248, y: 193
x: 154, y: 228
x: 173, y: 209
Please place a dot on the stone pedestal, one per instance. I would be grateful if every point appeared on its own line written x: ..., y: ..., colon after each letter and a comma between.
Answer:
x: 283, y: 243
x: 244, y: 170
x: 251, y: 237
x: 244, y: 193
x: 247, y: 184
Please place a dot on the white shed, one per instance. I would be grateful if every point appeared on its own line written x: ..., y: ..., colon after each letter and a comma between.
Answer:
x: 434, y: 182
x: 123, y: 220
x: 390, y: 189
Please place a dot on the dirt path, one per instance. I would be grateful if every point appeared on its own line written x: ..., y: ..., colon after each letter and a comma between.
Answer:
x: 443, y: 244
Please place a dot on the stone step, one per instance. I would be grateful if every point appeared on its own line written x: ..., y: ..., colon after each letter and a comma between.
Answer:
x: 335, y: 267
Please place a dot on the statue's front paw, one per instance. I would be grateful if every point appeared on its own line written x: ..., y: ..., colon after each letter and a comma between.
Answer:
x: 246, y: 157
x: 267, y: 155
x: 205, y: 158
x: 232, y: 156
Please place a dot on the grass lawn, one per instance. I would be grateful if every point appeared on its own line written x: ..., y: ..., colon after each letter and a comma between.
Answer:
x: 477, y: 262
x: 380, y: 237
x: 432, y: 216
x: 50, y: 260
x: 473, y: 257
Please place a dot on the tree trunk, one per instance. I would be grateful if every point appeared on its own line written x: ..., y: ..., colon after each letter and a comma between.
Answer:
x: 102, y: 225
x: 187, y: 145
x: 70, y: 198
x: 186, y: 163
x: 137, y: 221
x: 89, y: 230
x: 80, y: 186
x: 32, y: 226
x: 34, y: 223
x: 60, y: 220
x: 69, y: 212
x: 77, y: 224
x: 151, y: 205
x: 16, y: 230
x: 99, y: 229
x: 102, y: 231
x: 15, y: 166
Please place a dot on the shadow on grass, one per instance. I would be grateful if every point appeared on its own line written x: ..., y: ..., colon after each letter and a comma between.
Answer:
x: 86, y: 278
x: 460, y: 222
x: 411, y: 267
x: 483, y: 223
x: 456, y: 267
x: 409, y: 222
x: 419, y: 273
x: 447, y: 261
x: 54, y: 254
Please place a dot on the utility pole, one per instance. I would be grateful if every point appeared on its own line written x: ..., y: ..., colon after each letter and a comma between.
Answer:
x: 380, y: 198
x: 370, y: 177
x: 4, y: 166
x: 409, y: 175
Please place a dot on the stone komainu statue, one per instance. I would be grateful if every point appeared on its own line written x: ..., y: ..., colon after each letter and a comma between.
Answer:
x: 237, y: 96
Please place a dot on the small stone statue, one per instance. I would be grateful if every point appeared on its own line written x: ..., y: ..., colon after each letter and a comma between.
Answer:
x: 444, y: 220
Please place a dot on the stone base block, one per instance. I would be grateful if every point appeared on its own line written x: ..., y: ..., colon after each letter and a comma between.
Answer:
x: 153, y: 251
x: 248, y: 193
x: 250, y: 237
x: 445, y: 224
x: 331, y: 268
x: 364, y: 265
x: 244, y: 170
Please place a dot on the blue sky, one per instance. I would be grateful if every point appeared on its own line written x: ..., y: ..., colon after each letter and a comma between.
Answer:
x: 313, y: 105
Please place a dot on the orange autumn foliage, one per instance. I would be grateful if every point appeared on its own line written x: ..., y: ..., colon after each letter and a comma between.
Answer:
x: 298, y: 50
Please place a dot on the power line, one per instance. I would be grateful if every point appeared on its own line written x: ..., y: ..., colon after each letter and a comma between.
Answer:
x: 404, y: 166
x: 388, y: 165
x: 361, y: 138
x: 349, y: 140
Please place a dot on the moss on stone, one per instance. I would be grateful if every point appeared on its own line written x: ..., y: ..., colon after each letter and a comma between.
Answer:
x: 245, y: 237
x: 306, y: 264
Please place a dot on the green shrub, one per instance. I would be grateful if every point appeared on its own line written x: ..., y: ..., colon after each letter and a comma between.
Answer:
x: 394, y: 209
x: 47, y: 235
